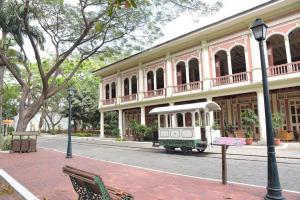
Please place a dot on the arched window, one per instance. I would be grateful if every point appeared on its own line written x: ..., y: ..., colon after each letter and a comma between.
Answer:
x: 194, y: 70
x: 162, y: 121
x: 181, y: 73
x: 221, y: 63
x: 113, y: 90
x: 238, y: 61
x: 107, y: 91
x: 126, y: 87
x: 150, y: 81
x: 188, y: 120
x: 160, y: 78
x: 276, y: 50
x: 179, y: 118
x: 294, y: 39
x: 133, y: 85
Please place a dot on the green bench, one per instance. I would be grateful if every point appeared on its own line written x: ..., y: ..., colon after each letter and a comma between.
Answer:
x: 90, y: 186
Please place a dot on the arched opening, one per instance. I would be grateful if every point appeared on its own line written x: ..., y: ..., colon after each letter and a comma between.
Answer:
x: 133, y: 85
x: 294, y: 39
x: 188, y: 119
x: 194, y: 70
x: 181, y: 73
x: 160, y: 78
x: 238, y: 61
x: 221, y: 63
x: 126, y: 87
x: 150, y: 81
x: 179, y: 118
x: 113, y: 90
x: 276, y: 50
x: 107, y: 91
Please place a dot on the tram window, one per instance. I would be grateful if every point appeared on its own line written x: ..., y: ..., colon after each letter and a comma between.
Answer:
x: 170, y: 120
x: 202, y: 119
x: 197, y: 122
x: 179, y: 118
x: 188, y: 119
x: 162, y: 121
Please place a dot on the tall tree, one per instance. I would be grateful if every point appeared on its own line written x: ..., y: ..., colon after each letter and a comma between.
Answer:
x: 82, y: 30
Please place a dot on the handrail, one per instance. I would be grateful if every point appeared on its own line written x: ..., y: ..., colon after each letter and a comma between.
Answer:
x: 109, y: 101
x: 155, y: 93
x: 287, y: 68
x: 196, y: 85
x: 230, y: 79
x: 127, y: 98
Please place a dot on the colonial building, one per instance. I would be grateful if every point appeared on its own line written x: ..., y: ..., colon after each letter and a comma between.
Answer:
x: 218, y: 62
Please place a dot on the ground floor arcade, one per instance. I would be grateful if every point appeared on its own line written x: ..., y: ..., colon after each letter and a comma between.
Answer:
x: 285, y: 101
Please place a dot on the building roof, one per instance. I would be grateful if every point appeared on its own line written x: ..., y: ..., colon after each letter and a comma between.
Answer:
x: 226, y: 25
x: 211, y: 106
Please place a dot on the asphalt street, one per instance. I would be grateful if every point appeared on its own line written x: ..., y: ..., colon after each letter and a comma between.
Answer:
x: 241, y: 168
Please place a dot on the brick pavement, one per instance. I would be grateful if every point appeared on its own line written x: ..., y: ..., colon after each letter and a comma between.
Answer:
x: 41, y: 173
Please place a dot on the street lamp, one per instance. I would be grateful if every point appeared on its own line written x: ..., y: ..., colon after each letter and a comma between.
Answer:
x: 259, y: 29
x: 71, y: 92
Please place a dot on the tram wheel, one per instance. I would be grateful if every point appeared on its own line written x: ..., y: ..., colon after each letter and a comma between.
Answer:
x: 200, y: 150
x: 170, y: 149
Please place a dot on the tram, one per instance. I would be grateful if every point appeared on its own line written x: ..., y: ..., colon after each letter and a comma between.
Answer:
x: 186, y: 126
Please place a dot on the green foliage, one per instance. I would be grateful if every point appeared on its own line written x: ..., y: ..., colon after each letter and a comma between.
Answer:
x: 249, y: 120
x: 139, y: 129
x: 111, y: 123
x: 85, y: 134
x: 229, y: 128
x: 5, y: 143
x: 11, y: 97
x: 277, y: 121
x: 216, y: 126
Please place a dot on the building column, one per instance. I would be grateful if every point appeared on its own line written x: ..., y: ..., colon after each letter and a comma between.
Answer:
x: 119, y: 88
x: 205, y: 66
x: 187, y: 72
x: 100, y: 92
x: 229, y: 62
x: 211, y: 113
x: 255, y: 54
x: 287, y: 49
x: 261, y: 115
x: 130, y: 86
x: 121, y: 123
x: 143, y: 116
x: 101, y: 124
x: 169, y: 75
x: 155, y: 80
x: 141, y: 82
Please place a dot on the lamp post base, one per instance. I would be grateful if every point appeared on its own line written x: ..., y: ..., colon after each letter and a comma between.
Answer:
x: 269, y: 197
x: 69, y: 156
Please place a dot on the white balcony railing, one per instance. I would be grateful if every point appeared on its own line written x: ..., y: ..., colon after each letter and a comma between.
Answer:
x: 127, y: 98
x: 155, y: 93
x: 288, y: 68
x: 233, y: 78
x: 109, y: 101
x: 197, y: 85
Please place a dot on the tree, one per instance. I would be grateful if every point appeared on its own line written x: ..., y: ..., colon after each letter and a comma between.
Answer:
x: 78, y: 32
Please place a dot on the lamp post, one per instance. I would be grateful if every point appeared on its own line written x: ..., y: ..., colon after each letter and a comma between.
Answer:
x: 274, y: 191
x: 71, y: 92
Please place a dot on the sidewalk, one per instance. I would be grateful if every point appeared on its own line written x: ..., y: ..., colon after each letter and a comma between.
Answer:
x: 41, y: 173
x: 285, y: 150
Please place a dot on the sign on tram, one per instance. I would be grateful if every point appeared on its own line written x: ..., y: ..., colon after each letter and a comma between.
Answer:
x: 229, y: 141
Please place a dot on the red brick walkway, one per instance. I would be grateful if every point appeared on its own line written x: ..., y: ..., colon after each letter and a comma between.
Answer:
x: 41, y: 173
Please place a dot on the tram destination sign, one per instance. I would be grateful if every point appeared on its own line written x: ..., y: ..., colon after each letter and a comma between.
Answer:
x: 229, y: 141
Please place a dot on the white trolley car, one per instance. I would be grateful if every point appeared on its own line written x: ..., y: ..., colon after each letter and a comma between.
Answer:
x: 186, y: 126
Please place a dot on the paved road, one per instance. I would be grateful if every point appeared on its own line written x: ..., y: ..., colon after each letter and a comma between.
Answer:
x: 242, y: 169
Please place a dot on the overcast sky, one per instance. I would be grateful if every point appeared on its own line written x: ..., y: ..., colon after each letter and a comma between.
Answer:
x: 187, y: 23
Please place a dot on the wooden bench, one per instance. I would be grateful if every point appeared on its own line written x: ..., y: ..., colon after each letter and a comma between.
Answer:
x: 90, y: 186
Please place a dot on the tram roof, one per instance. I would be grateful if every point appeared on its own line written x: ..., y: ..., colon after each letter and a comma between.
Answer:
x: 211, y: 106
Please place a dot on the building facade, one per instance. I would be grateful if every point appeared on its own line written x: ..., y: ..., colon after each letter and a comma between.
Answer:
x: 219, y: 62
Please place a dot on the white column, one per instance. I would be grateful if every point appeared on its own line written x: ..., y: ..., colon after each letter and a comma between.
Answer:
x: 287, y: 49
x: 211, y: 113
x: 169, y: 76
x: 130, y: 86
x: 101, y: 124
x: 143, y: 119
x: 155, y: 81
x: 121, y: 123
x: 246, y: 59
x: 187, y: 74
x: 229, y: 62
x: 141, y: 81
x: 256, y: 69
x: 119, y: 88
x: 261, y: 115
x: 100, y: 92
x: 205, y: 67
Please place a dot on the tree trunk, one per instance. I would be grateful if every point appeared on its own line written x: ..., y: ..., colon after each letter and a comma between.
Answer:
x: 1, y: 95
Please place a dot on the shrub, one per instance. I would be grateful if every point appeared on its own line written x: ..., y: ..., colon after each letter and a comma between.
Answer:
x: 249, y: 119
x: 277, y: 122
x: 5, y: 143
